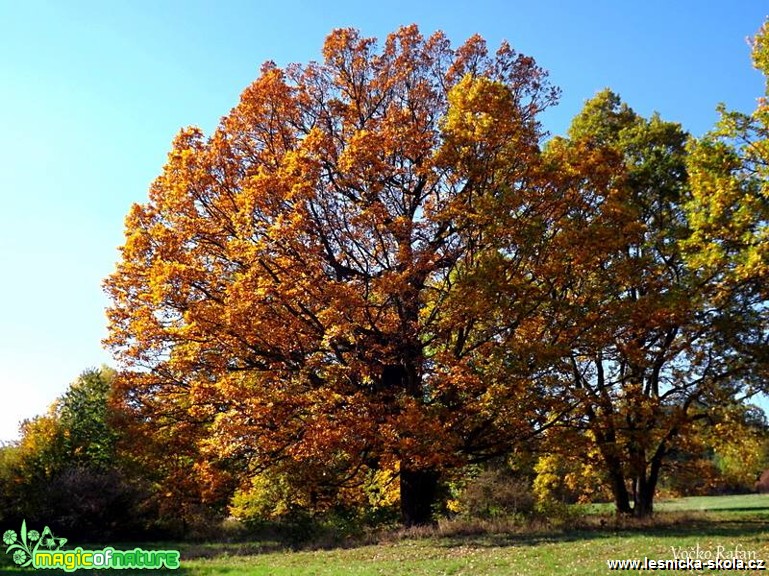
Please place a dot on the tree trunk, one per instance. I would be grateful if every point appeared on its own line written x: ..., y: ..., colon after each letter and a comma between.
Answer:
x: 618, y: 487
x: 419, y: 489
x: 643, y: 504
x: 643, y: 500
x: 616, y: 476
x: 646, y: 486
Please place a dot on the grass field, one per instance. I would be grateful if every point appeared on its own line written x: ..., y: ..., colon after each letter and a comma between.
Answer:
x: 718, y: 525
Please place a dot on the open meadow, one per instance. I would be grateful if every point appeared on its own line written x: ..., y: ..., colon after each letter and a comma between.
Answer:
x: 706, y: 527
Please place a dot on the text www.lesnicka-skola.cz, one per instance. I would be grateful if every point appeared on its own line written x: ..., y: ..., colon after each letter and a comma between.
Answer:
x: 687, y: 564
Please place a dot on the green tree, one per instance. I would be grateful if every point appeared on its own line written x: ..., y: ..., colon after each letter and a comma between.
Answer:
x: 653, y: 351
x: 85, y: 415
x: 66, y: 470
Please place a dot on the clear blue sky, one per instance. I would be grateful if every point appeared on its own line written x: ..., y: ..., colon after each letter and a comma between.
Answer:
x: 91, y: 94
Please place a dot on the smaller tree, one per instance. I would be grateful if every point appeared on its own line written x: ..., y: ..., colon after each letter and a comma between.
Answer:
x: 86, y: 417
x: 657, y: 343
x: 65, y: 471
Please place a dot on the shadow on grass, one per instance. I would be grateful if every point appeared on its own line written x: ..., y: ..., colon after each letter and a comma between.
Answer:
x: 500, y: 535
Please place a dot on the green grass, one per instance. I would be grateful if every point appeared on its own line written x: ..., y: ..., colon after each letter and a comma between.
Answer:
x: 733, y: 504
x: 740, y: 503
x: 713, y: 523
x: 579, y: 551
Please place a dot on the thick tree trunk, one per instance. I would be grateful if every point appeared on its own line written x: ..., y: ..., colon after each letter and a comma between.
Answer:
x: 646, y: 485
x: 618, y: 487
x: 616, y: 476
x: 643, y: 500
x: 419, y: 489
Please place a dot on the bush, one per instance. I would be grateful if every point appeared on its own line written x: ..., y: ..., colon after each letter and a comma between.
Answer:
x: 569, y: 479
x: 86, y: 504
x: 496, y: 493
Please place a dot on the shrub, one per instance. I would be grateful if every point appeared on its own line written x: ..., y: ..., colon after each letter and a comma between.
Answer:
x: 88, y: 504
x: 494, y: 493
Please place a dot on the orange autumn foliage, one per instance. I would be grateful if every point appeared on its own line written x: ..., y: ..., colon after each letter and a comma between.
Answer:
x: 343, y: 274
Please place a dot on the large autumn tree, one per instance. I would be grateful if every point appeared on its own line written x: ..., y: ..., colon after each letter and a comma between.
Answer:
x: 343, y: 276
x: 660, y: 343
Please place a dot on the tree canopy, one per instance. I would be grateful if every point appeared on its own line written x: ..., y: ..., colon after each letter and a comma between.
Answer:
x: 304, y: 285
x: 658, y: 350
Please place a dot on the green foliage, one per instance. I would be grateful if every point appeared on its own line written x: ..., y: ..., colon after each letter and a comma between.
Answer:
x: 66, y: 471
x: 85, y: 417
x: 729, y: 210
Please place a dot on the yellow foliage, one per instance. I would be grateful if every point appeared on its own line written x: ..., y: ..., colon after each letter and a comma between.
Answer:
x: 567, y: 479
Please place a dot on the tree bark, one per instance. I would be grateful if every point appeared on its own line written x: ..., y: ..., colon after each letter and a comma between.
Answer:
x: 419, y: 489
x: 606, y: 444
x: 646, y: 485
x: 618, y: 486
x: 643, y: 499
